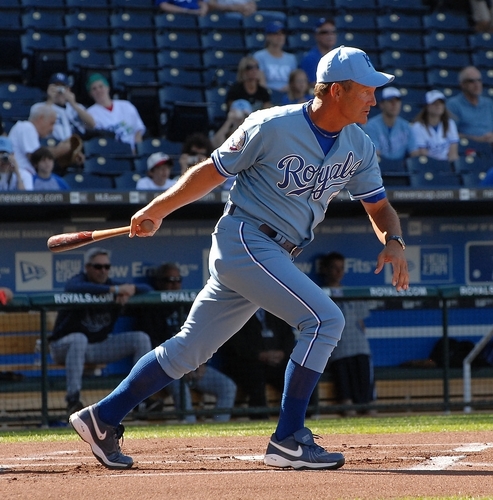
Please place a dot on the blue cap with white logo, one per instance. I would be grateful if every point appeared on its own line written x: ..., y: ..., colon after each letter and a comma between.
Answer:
x: 349, y: 63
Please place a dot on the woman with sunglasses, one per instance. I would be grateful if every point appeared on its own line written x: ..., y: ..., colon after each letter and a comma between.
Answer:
x: 84, y: 335
x: 247, y: 86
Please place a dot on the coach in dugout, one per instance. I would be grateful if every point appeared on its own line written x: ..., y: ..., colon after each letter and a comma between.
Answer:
x: 84, y: 335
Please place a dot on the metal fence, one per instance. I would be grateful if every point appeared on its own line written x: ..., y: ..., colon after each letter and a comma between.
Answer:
x: 403, y: 329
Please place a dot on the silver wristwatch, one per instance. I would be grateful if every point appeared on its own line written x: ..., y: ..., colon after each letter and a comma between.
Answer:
x: 397, y: 238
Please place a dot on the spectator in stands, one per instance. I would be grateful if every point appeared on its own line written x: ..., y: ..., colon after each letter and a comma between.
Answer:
x: 472, y: 111
x: 159, y: 167
x: 435, y: 131
x: 25, y: 137
x: 391, y: 134
x: 237, y: 113
x: 275, y: 64
x: 161, y: 325
x: 257, y: 355
x: 299, y: 88
x: 248, y: 87
x: 197, y: 147
x: 242, y: 7
x: 44, y: 179
x: 115, y: 115
x: 482, y: 15
x: 11, y: 177
x: 350, y: 363
x: 193, y: 7
x: 85, y: 335
x: 6, y: 295
x: 72, y: 117
x: 325, y: 41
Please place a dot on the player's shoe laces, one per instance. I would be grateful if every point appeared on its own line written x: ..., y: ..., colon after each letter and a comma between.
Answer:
x: 103, y: 439
x: 300, y: 452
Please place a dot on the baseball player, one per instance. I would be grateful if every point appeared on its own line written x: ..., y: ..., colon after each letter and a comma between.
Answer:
x: 289, y: 162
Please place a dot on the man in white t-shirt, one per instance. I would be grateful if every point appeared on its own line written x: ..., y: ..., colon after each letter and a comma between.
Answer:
x: 158, y: 171
x: 25, y: 136
x: 115, y: 115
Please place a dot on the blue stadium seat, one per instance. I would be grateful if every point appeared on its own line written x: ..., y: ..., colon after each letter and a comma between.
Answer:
x: 402, y: 59
x: 126, y: 77
x: 452, y: 58
x: 446, y: 40
x: 447, y: 21
x: 397, y: 22
x: 475, y: 163
x: 221, y: 21
x: 127, y: 180
x: 214, y: 58
x: 424, y: 164
x: 480, y: 150
x: 434, y: 180
x: 108, y: 147
x: 179, y: 40
x: 408, y: 77
x: 152, y: 145
x: 388, y: 166
x: 410, y: 6
x: 84, y: 59
x: 319, y: 6
x: 89, y: 20
x: 444, y: 77
x: 302, y: 22
x: 134, y: 58
x: 223, y: 39
x: 179, y: 76
x: 133, y: 40
x: 179, y: 58
x: 43, y: 4
x: 400, y: 40
x: 301, y: 40
x: 259, y: 20
x: 482, y: 59
x: 44, y: 20
x: 86, y: 4
x: 101, y: 165
x: 178, y: 94
x: 129, y: 20
x: 256, y: 41
x: 216, y: 100
x: 18, y: 92
x: 176, y: 21
x: 79, y: 39
x: 219, y: 77
x: 88, y: 182
x: 15, y: 110
x: 481, y: 41
x: 355, y: 21
x: 365, y: 40
x: 356, y: 5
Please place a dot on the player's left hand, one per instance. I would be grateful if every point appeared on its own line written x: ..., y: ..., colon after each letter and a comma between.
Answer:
x: 137, y: 219
x: 394, y: 254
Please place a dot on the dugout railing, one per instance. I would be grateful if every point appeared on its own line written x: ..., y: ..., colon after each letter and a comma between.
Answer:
x: 403, y: 329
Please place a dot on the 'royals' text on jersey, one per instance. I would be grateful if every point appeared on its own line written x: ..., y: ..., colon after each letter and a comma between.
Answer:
x: 285, y: 180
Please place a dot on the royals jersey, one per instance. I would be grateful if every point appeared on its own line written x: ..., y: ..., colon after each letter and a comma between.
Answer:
x: 285, y: 180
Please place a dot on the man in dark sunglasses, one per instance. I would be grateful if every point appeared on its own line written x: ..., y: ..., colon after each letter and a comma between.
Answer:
x: 85, y: 334
x: 325, y: 41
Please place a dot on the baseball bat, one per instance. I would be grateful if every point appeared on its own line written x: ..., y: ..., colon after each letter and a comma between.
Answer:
x: 69, y: 241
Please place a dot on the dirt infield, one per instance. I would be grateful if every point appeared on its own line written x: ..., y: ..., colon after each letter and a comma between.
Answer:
x: 377, y: 467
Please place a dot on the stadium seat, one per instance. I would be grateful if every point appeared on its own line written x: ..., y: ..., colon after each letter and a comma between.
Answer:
x: 128, y: 20
x: 180, y: 40
x: 299, y: 41
x: 219, y: 77
x: 43, y: 4
x: 408, y: 77
x: 170, y: 95
x: 18, y: 92
x: 218, y: 40
x: 134, y: 59
x: 216, y: 58
x: 176, y: 21
x: 410, y: 6
x: 447, y: 21
x: 259, y: 20
x: 391, y: 179
x: 50, y: 21
x: 482, y: 59
x: 302, y: 21
x: 472, y: 179
x: 87, y: 181
x: 15, y: 110
x: 271, y: 5
x: 396, y: 22
x: 133, y: 40
x: 221, y: 21
x: 256, y: 41
x: 80, y: 39
x: 445, y: 40
x: 107, y: 147
x: 356, y: 5
x: 86, y: 4
x: 366, y: 40
x: 432, y: 179
x: 101, y: 165
x: 439, y: 78
x: 410, y: 110
x: 402, y: 59
x: 474, y: 164
x: 420, y: 164
x: 388, y: 166
x: 83, y: 61
x: 179, y: 59
x: 320, y: 7
x: 89, y: 20
x: 452, y: 58
x: 152, y: 145
x: 397, y: 40
x: 179, y: 76
x: 481, y: 41
x: 480, y: 149
x: 355, y: 21
x: 127, y: 180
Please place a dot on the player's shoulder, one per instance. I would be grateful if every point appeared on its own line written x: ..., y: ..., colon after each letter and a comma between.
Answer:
x: 276, y: 113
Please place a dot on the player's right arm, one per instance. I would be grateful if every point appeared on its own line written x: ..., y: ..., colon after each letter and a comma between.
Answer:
x: 195, y: 183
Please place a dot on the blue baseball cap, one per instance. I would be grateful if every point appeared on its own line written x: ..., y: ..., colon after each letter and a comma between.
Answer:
x: 349, y: 63
x: 242, y: 105
x: 59, y: 78
x: 274, y: 27
x: 6, y: 145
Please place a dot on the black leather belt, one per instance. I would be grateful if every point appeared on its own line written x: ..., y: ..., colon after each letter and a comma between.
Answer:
x: 291, y: 248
